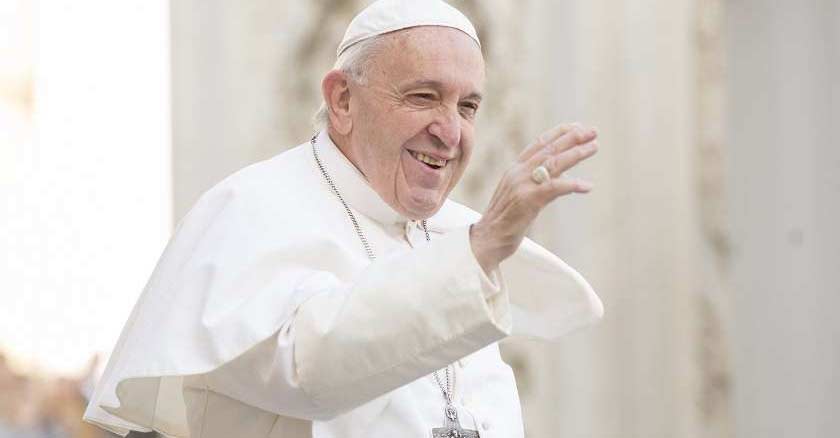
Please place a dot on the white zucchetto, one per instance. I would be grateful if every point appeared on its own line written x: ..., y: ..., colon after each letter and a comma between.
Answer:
x: 385, y: 16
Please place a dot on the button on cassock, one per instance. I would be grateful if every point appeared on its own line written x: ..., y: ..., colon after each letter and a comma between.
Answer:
x: 411, y: 233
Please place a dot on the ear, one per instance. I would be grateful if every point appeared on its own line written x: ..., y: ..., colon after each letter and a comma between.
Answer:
x: 336, y: 91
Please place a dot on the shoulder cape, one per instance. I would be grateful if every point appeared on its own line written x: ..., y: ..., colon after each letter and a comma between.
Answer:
x: 239, y: 264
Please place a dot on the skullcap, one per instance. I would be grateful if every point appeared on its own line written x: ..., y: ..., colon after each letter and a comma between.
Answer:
x: 384, y: 16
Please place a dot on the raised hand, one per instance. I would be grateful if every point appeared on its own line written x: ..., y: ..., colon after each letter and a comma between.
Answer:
x: 519, y: 197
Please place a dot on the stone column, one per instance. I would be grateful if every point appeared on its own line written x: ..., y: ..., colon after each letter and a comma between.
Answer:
x: 656, y: 366
x: 242, y: 88
x: 784, y: 181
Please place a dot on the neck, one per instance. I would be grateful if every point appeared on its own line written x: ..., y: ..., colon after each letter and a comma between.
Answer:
x: 343, y: 144
x: 345, y: 147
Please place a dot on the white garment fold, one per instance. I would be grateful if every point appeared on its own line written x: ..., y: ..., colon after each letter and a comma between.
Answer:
x: 265, y: 302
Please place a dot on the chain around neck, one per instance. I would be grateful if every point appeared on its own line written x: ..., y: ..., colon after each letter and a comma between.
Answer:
x: 365, y: 243
x: 446, y: 390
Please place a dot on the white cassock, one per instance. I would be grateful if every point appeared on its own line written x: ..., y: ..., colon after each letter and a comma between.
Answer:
x: 265, y: 318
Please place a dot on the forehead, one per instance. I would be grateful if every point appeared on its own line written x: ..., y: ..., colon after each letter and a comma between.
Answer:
x: 432, y: 54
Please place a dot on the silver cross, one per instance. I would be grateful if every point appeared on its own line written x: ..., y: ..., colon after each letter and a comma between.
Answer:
x: 452, y: 426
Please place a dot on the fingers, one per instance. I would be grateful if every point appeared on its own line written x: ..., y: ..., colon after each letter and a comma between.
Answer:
x: 565, y: 152
x: 569, y: 158
x: 523, y: 193
x: 564, y: 186
x: 558, y: 150
x: 574, y: 137
x: 547, y: 138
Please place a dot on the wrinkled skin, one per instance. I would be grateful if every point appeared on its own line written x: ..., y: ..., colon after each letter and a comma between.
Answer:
x: 423, y: 95
x: 414, y: 100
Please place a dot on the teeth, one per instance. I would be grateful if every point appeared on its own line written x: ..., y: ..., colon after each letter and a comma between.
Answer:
x: 428, y: 160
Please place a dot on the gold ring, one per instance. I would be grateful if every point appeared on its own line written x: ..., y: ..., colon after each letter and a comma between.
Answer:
x: 540, y: 175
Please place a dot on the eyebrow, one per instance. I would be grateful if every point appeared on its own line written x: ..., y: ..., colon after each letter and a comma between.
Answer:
x: 431, y: 83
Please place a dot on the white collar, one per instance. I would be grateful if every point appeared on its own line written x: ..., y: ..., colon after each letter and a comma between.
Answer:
x: 353, y: 186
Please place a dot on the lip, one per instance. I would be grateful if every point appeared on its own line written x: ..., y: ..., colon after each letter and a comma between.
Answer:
x: 425, y: 169
x: 433, y: 155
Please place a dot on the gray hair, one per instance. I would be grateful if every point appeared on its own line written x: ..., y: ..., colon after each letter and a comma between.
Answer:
x: 356, y: 63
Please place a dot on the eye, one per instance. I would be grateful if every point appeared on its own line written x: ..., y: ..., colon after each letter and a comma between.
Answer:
x: 468, y: 109
x: 422, y: 98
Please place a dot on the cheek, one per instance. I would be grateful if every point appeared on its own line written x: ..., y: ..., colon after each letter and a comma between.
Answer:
x: 467, y: 153
x: 467, y: 146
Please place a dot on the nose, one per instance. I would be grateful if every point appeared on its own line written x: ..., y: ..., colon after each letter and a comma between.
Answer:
x: 447, y: 127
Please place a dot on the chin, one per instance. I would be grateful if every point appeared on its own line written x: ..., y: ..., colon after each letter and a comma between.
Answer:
x: 423, y: 207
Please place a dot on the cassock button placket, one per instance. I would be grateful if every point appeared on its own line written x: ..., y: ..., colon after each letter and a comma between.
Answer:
x: 408, y: 234
x: 452, y: 426
x: 414, y: 234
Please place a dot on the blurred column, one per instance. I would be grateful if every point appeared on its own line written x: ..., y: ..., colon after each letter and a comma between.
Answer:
x: 784, y: 181
x: 212, y: 119
x: 632, y: 69
x: 245, y: 80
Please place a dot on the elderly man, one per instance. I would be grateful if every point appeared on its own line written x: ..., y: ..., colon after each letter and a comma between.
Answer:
x: 334, y: 290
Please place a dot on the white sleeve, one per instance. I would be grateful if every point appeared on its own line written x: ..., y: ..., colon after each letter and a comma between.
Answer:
x: 405, y: 317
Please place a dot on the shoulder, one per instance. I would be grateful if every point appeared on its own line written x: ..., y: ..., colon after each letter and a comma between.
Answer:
x: 282, y: 192
x: 279, y: 206
x: 285, y: 180
x: 277, y: 175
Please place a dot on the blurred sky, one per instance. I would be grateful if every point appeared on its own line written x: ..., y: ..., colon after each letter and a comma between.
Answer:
x: 85, y: 203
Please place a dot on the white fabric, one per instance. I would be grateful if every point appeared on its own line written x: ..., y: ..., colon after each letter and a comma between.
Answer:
x: 385, y: 16
x: 264, y: 312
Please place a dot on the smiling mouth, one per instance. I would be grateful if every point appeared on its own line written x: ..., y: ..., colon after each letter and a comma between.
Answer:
x: 429, y: 161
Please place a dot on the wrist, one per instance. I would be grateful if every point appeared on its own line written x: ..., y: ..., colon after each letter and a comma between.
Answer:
x: 483, y: 251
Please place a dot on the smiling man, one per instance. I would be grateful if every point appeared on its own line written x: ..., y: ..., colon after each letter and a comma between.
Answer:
x: 408, y: 124
x: 335, y: 290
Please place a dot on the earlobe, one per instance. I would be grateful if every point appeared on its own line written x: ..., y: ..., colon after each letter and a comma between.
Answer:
x: 336, y: 91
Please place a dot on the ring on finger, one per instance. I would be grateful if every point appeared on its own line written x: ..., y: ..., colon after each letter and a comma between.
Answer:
x: 540, y: 174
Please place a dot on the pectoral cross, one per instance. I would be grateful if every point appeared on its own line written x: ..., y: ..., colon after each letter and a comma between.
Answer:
x: 452, y: 427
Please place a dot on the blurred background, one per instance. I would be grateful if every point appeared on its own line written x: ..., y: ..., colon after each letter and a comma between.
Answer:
x: 712, y: 235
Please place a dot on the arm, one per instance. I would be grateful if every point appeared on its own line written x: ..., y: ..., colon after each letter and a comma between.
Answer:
x: 405, y: 317
x: 410, y: 315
